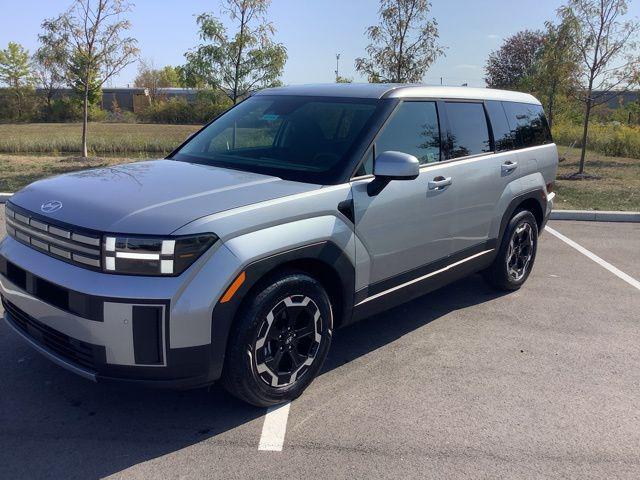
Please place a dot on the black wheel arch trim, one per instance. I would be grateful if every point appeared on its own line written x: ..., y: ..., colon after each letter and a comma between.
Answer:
x: 538, y: 194
x: 326, y: 252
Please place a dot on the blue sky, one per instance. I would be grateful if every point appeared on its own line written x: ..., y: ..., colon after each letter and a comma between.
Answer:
x: 312, y: 30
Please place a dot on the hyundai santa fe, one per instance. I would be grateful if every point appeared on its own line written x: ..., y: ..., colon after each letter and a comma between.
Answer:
x: 298, y: 211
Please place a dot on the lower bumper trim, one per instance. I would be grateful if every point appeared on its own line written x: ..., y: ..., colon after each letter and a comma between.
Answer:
x: 51, y: 355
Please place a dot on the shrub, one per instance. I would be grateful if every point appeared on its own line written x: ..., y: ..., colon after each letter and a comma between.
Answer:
x: 177, y: 110
x: 612, y: 139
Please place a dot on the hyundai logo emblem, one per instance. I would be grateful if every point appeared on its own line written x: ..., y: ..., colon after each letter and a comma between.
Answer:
x: 51, y: 206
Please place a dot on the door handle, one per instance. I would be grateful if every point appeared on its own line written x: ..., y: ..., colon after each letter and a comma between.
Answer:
x: 509, y: 166
x: 439, y: 183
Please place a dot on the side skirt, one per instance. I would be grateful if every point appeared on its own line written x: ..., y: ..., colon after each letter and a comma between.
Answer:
x: 424, y: 280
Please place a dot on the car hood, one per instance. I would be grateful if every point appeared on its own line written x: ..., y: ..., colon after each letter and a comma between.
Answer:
x: 152, y: 197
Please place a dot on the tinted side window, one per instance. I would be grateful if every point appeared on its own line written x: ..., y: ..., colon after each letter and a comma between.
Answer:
x: 413, y: 129
x: 528, y: 123
x: 469, y: 134
x: 502, y: 134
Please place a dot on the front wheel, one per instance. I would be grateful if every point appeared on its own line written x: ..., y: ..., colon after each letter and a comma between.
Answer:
x: 516, y: 254
x: 279, y: 341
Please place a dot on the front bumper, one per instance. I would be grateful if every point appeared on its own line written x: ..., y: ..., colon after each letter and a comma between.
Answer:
x: 152, y: 331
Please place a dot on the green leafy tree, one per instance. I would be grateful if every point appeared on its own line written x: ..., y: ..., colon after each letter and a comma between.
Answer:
x: 92, y: 32
x: 238, y: 63
x: 556, y: 66
x: 606, y: 42
x: 169, y: 77
x: 154, y: 79
x: 85, y: 77
x: 50, y: 71
x: 512, y: 65
x: 15, y: 72
x: 403, y: 45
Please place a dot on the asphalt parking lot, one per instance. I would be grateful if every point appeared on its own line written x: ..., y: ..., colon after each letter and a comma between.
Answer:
x: 461, y: 383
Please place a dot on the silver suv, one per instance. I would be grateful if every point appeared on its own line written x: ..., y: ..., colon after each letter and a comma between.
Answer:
x: 298, y: 211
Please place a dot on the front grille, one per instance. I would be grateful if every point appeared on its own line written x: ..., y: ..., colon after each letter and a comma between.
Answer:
x: 76, y: 351
x: 80, y: 248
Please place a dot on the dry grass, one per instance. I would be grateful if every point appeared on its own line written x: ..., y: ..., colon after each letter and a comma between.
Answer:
x: 617, y: 186
x: 103, y: 139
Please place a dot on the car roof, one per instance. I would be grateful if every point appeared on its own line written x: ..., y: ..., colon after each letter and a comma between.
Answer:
x: 399, y: 90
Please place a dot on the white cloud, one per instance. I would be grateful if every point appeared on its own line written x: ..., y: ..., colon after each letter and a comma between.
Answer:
x: 493, y: 36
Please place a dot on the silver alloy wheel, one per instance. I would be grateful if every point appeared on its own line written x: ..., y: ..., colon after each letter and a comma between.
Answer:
x: 520, y: 252
x: 288, y: 341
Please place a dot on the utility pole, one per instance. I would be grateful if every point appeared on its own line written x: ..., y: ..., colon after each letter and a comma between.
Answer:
x: 337, y: 66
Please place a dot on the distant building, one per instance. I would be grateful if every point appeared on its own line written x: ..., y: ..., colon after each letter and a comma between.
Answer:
x: 129, y: 99
x: 617, y: 99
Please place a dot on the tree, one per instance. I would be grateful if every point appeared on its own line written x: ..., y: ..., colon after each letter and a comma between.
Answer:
x: 153, y: 79
x: 242, y: 63
x: 403, y: 46
x: 606, y: 44
x: 50, y: 64
x: 15, y: 71
x: 556, y: 65
x: 169, y: 77
x: 91, y: 32
x: 514, y: 62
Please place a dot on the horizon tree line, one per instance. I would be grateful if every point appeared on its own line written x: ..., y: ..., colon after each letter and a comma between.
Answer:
x: 589, y: 51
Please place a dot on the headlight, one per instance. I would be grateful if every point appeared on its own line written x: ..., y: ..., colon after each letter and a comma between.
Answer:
x: 153, y: 256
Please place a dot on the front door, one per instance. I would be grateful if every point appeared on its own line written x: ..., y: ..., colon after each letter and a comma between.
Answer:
x: 407, y: 225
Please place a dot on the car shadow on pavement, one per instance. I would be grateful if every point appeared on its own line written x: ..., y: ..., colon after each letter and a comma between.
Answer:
x: 56, y: 425
x: 372, y: 333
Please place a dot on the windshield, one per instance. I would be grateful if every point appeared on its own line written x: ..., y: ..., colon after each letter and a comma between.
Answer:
x: 295, y: 138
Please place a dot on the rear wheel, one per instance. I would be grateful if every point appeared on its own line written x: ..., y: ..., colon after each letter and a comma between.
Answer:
x: 516, y: 254
x: 279, y: 341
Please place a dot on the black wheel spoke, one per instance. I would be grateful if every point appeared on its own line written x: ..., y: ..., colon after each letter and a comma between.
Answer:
x: 296, y: 358
x: 273, y: 362
x: 305, y: 331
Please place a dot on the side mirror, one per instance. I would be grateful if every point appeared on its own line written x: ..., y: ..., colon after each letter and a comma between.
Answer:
x: 396, y: 166
x: 392, y: 166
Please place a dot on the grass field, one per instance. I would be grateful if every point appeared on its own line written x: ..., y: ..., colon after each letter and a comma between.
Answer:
x: 103, y: 139
x: 32, y: 151
x: 617, y: 188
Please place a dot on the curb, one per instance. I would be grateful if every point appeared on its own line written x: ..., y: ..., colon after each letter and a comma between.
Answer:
x: 595, y: 216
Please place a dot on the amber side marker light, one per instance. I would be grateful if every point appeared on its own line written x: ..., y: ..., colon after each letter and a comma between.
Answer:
x: 233, y: 288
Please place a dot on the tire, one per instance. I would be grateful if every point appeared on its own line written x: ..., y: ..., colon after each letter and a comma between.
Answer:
x: 279, y: 340
x: 510, y: 269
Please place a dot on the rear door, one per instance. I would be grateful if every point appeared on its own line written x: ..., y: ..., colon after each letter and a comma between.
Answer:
x: 476, y: 171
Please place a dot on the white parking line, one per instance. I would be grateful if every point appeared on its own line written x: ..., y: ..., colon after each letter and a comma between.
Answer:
x: 274, y: 428
x: 619, y: 273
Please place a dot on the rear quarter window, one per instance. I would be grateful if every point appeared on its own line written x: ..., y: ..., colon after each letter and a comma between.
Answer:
x: 528, y: 124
